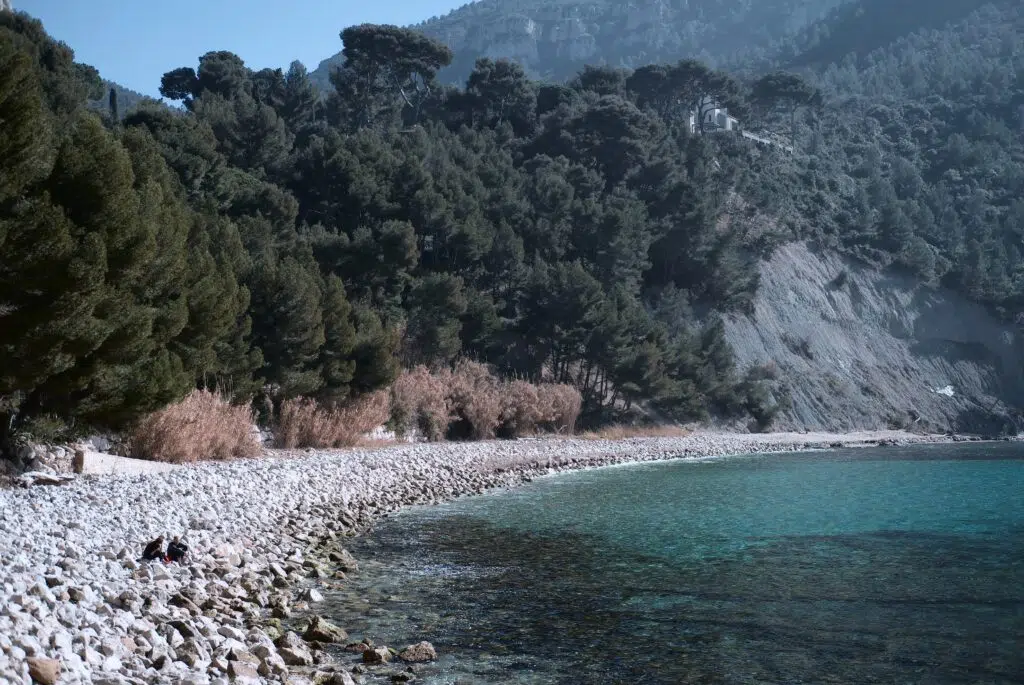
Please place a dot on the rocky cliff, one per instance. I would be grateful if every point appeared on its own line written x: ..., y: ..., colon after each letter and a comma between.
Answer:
x: 554, y: 39
x: 862, y: 349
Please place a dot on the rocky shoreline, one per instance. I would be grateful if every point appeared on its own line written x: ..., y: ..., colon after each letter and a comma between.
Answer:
x: 78, y: 606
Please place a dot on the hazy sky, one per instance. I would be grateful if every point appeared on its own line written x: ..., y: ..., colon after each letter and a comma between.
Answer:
x: 134, y: 42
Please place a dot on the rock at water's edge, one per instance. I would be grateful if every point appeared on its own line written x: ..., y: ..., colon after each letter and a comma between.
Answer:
x: 380, y: 655
x: 421, y: 651
x: 322, y: 630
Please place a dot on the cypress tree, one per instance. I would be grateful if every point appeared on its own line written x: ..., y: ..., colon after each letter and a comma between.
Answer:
x: 115, y: 113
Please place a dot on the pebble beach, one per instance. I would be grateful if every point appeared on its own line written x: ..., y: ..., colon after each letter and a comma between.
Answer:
x: 78, y: 606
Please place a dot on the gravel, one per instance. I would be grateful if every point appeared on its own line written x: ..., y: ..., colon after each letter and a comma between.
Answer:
x: 72, y: 588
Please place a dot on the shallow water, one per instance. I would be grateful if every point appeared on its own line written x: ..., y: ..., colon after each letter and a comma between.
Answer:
x: 893, y: 566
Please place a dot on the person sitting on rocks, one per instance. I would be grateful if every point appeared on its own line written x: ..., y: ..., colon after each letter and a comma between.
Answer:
x: 177, y: 550
x: 154, y: 550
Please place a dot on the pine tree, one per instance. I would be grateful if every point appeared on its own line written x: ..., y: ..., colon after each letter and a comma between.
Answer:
x: 336, y: 356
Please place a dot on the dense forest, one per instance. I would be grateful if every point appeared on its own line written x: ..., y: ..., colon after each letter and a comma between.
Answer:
x: 265, y: 240
x: 915, y: 159
x: 272, y: 241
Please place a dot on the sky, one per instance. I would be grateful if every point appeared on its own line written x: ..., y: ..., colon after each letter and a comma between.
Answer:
x: 135, y: 42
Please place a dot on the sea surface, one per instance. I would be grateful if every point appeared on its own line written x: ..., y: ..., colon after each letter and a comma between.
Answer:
x: 893, y: 565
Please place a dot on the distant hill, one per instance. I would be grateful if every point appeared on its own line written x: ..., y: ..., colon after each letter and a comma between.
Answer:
x: 861, y: 27
x: 554, y: 39
x: 127, y: 99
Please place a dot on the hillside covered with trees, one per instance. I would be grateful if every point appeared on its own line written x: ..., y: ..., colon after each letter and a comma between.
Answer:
x: 915, y: 159
x: 272, y: 242
x: 269, y: 242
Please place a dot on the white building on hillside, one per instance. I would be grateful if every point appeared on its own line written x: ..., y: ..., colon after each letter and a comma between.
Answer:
x: 715, y: 119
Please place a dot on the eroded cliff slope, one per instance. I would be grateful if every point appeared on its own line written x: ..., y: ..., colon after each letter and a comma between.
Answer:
x: 862, y: 349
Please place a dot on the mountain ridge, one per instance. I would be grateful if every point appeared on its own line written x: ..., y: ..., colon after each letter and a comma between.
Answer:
x: 554, y: 40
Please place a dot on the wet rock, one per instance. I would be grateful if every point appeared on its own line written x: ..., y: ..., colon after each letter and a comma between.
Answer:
x: 43, y: 671
x: 378, y: 655
x: 340, y: 678
x: 322, y: 630
x: 312, y: 595
x: 421, y: 651
x: 344, y: 560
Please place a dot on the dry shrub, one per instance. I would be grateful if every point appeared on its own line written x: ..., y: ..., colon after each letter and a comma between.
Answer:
x: 304, y: 423
x: 475, y: 396
x: 522, y: 413
x: 204, y: 425
x: 560, y: 405
x: 419, y: 399
x: 624, y: 432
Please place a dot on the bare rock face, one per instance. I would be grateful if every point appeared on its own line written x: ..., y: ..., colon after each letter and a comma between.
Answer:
x: 861, y: 349
x: 6, y: 6
x: 553, y: 39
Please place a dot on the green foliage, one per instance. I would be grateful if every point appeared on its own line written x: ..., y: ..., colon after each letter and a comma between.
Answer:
x: 910, y: 163
x: 270, y: 238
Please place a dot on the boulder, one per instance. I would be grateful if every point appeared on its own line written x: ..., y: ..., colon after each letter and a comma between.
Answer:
x: 340, y: 678
x: 344, y: 559
x: 272, y: 664
x: 243, y: 671
x: 232, y: 632
x: 289, y: 640
x: 192, y: 653
x: 421, y: 651
x: 312, y: 595
x: 43, y: 671
x: 322, y: 630
x: 296, y: 656
x: 380, y: 655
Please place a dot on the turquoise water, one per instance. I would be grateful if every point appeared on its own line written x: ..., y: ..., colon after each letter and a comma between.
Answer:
x: 882, y: 566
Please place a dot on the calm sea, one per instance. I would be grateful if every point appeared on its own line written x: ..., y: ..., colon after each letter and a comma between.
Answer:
x: 899, y: 565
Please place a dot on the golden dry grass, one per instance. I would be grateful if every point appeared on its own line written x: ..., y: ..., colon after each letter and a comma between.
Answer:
x: 304, y: 423
x: 419, y: 401
x: 204, y: 425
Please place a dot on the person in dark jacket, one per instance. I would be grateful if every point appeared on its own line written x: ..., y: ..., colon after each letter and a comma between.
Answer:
x: 154, y: 550
x: 177, y: 550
